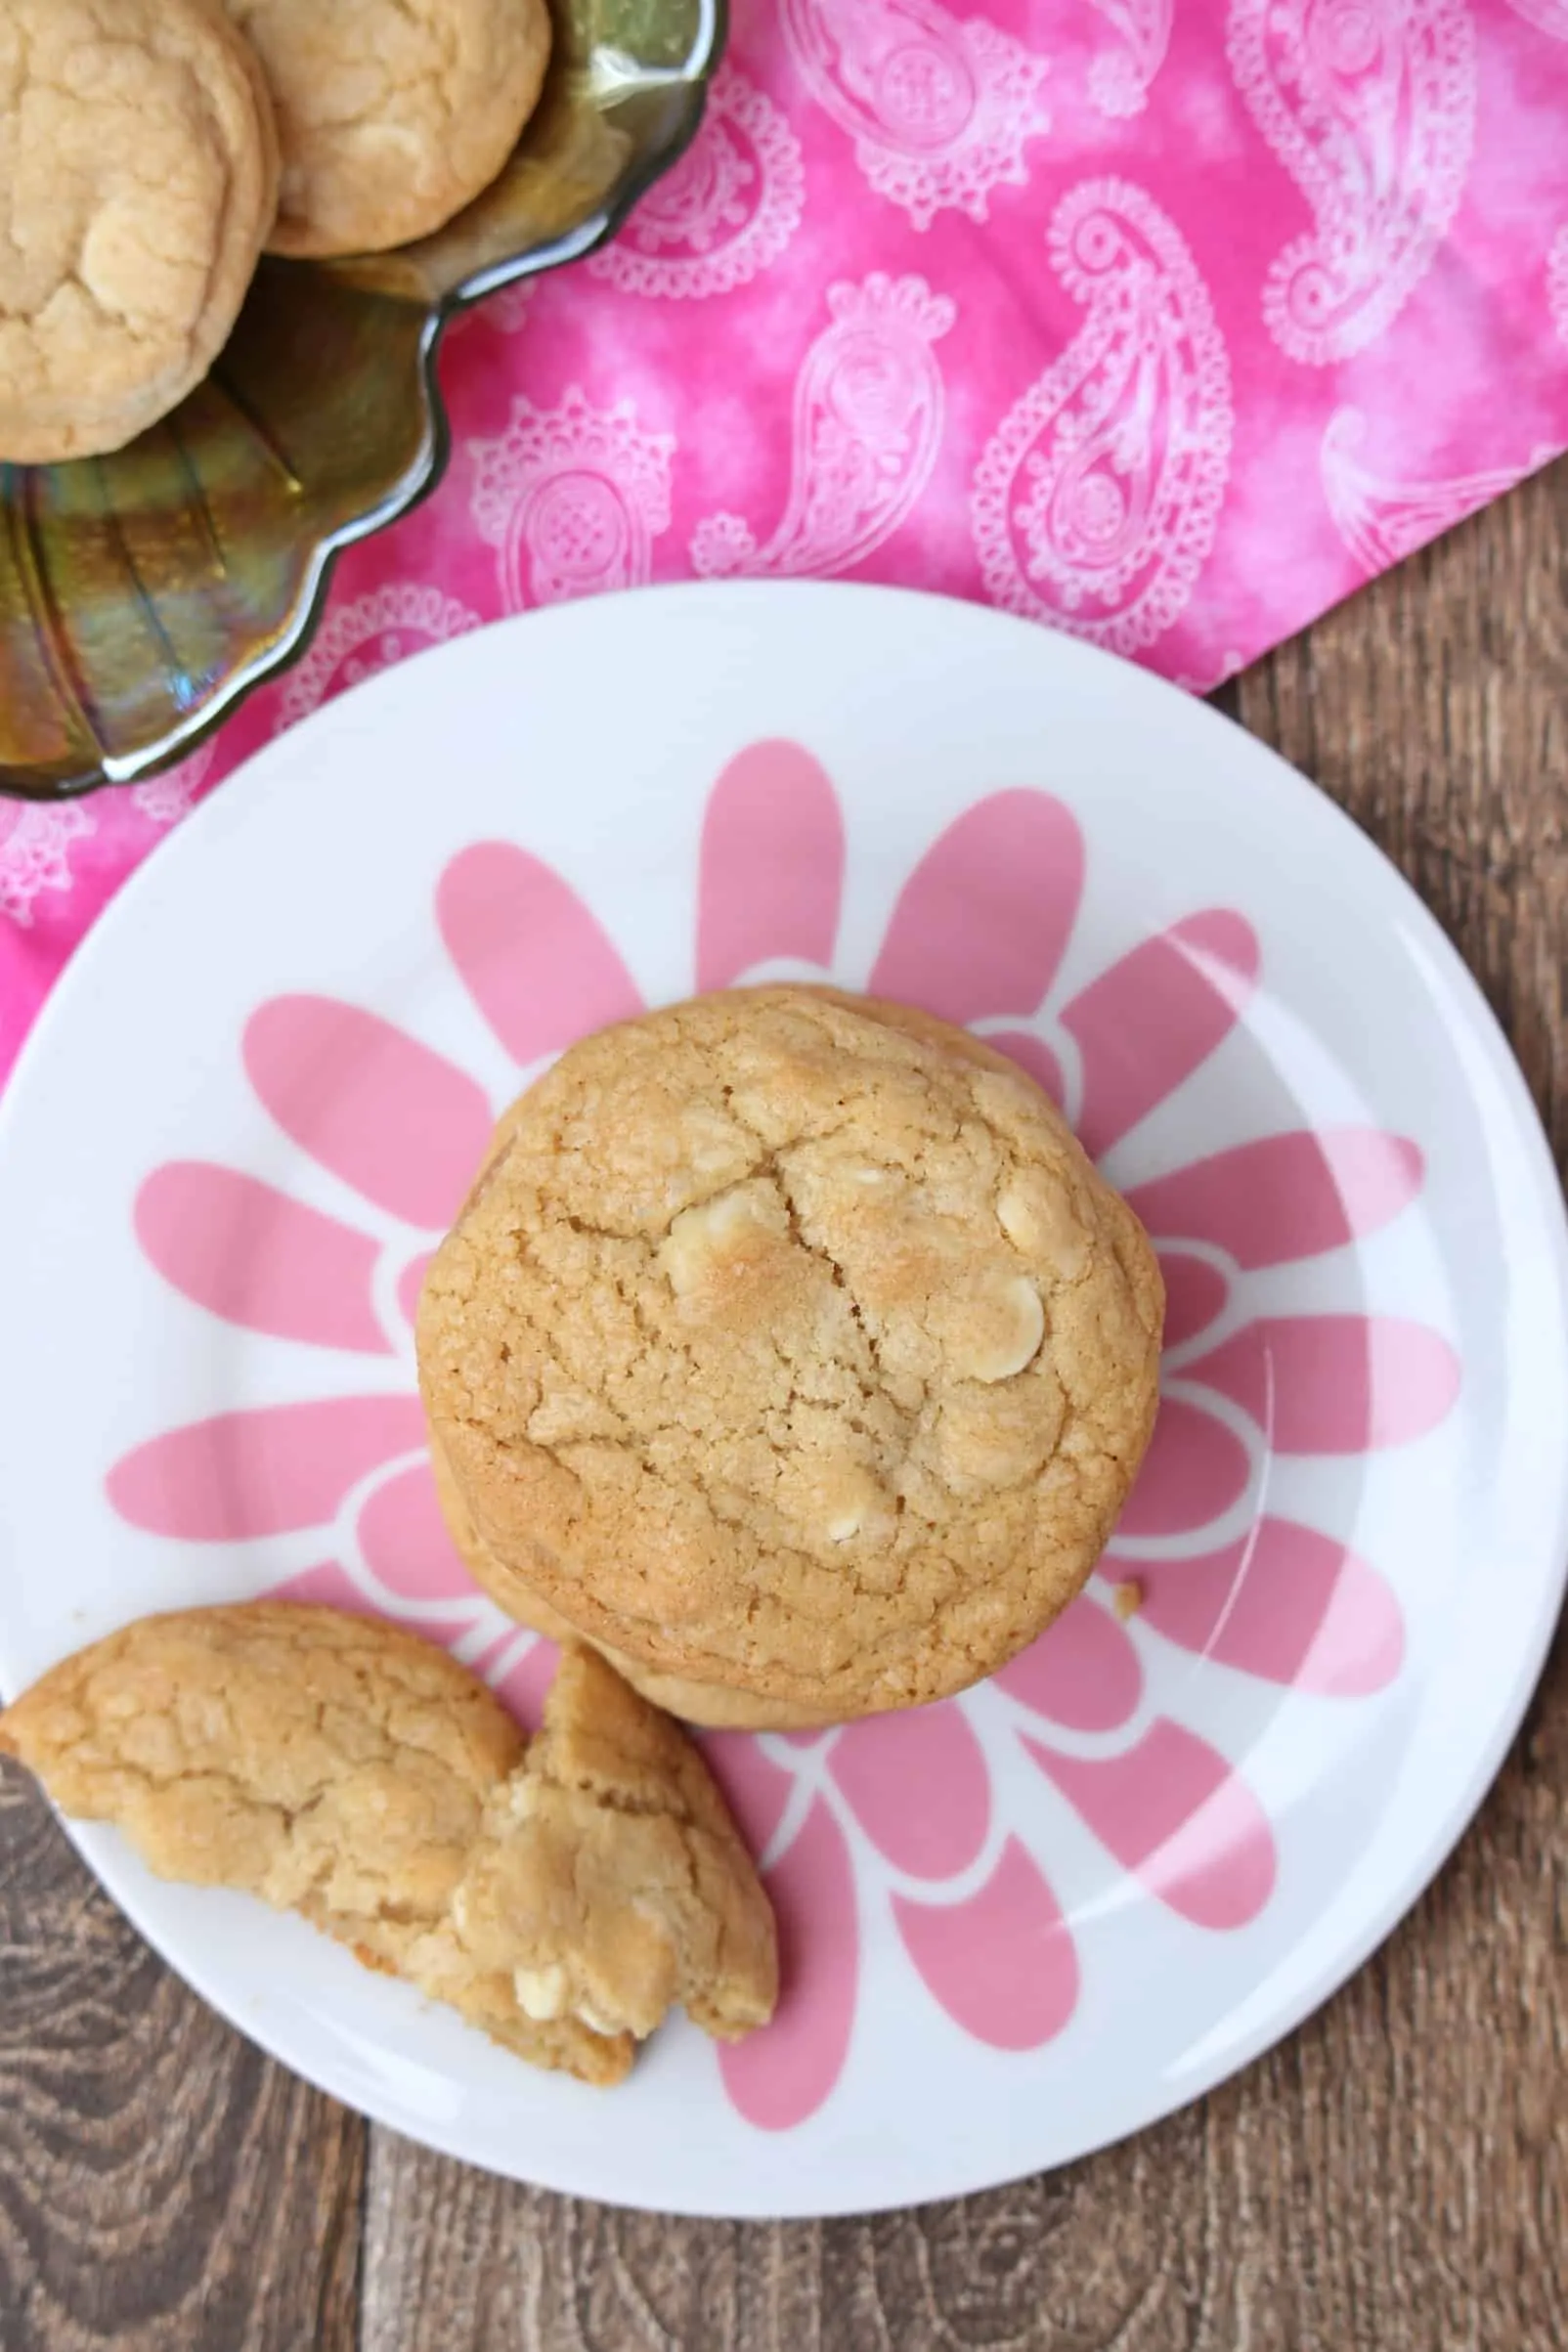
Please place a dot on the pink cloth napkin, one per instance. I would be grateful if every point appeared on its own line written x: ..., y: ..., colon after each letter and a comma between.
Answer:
x: 1160, y: 321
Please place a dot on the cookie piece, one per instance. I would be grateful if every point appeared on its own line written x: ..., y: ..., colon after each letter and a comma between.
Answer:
x: 138, y: 178
x: 792, y: 1345
x: 334, y: 1766
x: 609, y: 1876
x: 393, y: 113
x: 712, y: 1705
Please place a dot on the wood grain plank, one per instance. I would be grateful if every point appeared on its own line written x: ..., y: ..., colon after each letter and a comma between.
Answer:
x: 1395, y: 2177
x: 163, y: 2188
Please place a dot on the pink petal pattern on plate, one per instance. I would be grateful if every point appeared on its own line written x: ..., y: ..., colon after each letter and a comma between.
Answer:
x: 1286, y: 1197
x: 1285, y: 1604
x: 981, y: 923
x: 755, y: 1788
x: 1336, y: 1383
x: 1194, y: 1469
x: 977, y: 935
x: 540, y: 968
x: 252, y: 1256
x: 1082, y: 1671
x: 1155, y: 1016
x: 265, y: 1472
x: 773, y: 864
x: 1196, y: 1293
x: 918, y: 1786
x: 1174, y: 1813
x: 1034, y: 1058
x: 777, y: 2077
x: 328, y: 1587
x: 399, y: 1122
x: 404, y: 1541
x: 1002, y: 1961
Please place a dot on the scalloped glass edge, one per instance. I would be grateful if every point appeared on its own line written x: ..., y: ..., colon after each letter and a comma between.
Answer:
x: 415, y: 273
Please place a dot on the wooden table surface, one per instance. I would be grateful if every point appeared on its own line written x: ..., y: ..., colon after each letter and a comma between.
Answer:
x: 1395, y: 2176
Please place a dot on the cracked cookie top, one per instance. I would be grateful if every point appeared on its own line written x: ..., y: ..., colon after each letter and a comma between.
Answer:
x: 138, y: 178
x: 393, y: 113
x: 563, y: 1899
x: 791, y: 1343
x: 333, y: 1765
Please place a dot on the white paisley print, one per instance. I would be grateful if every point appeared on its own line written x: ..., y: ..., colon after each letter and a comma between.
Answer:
x: 371, y: 633
x: 572, y: 499
x: 1370, y: 104
x: 506, y: 311
x: 1382, y: 519
x: 940, y: 107
x: 727, y: 210
x: 34, y: 853
x: 1119, y: 78
x: 165, y: 799
x: 868, y: 422
x: 1095, y: 503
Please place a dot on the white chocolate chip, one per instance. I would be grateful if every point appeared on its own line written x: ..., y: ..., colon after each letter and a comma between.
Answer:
x: 851, y: 1499
x: 522, y: 1798
x: 541, y: 1993
x: 1016, y: 1219
x: 709, y: 1144
x: 595, y: 2020
x: 1041, y: 1222
x: 726, y: 1231
x: 1007, y: 1331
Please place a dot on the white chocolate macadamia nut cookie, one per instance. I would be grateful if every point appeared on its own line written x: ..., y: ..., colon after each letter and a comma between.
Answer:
x: 715, y: 1706
x: 561, y: 1900
x: 393, y: 113
x: 609, y: 1879
x: 792, y: 1347
x: 138, y: 180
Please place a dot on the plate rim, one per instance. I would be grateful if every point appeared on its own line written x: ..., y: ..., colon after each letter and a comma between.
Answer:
x: 1286, y: 783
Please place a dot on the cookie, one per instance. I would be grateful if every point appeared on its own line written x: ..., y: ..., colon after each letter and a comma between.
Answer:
x: 792, y: 1346
x: 333, y: 1765
x: 343, y: 1768
x: 137, y: 179
x: 609, y: 1877
x: 393, y: 113
x: 712, y: 1705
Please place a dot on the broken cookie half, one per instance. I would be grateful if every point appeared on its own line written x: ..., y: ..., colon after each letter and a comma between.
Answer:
x: 562, y: 1896
x: 610, y: 1878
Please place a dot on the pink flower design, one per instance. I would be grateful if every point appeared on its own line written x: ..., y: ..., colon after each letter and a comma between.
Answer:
x: 901, y: 1812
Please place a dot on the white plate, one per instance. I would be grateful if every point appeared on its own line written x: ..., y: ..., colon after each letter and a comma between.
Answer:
x: 1028, y: 1922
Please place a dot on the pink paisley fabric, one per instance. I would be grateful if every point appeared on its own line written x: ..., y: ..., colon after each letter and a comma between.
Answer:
x: 1164, y: 321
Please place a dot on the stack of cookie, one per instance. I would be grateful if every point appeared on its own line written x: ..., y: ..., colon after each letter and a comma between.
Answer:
x: 152, y: 150
x: 789, y: 1349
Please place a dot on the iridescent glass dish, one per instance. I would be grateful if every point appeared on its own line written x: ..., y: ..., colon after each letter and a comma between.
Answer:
x: 142, y: 595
